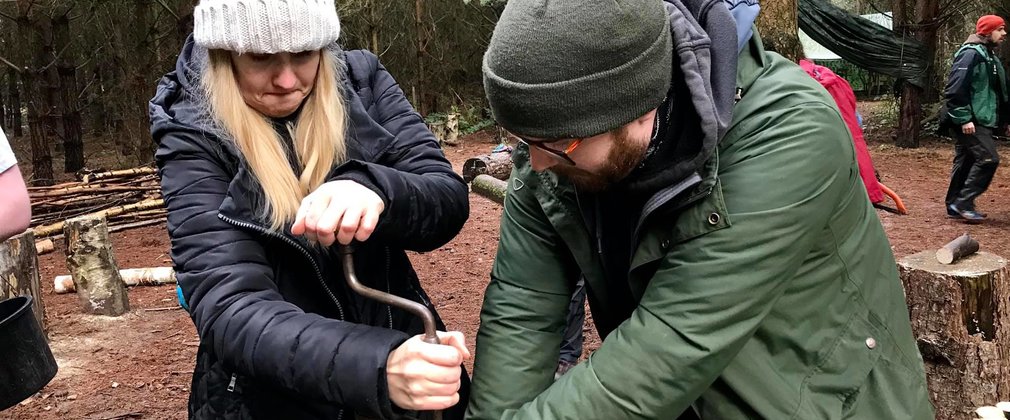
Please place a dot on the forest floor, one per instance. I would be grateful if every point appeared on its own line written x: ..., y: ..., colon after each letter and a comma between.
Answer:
x: 140, y: 365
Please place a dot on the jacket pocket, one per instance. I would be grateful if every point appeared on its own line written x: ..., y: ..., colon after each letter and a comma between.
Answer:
x: 842, y: 369
x: 891, y: 391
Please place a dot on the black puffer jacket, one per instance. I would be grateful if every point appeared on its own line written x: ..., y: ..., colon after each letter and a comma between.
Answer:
x: 281, y: 334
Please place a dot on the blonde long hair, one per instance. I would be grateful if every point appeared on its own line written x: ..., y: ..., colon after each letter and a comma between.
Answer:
x: 318, y: 136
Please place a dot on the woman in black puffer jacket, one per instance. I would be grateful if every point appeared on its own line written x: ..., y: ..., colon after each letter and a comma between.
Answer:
x: 273, y: 146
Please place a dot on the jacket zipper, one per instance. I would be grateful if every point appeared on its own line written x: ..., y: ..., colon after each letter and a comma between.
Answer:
x: 670, y: 193
x: 231, y: 383
x: 296, y: 245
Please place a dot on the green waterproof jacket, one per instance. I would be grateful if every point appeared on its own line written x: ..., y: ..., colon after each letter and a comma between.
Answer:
x: 766, y: 289
x: 977, y: 87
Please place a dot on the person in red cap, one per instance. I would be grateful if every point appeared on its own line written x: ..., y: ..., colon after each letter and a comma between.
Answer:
x: 977, y: 105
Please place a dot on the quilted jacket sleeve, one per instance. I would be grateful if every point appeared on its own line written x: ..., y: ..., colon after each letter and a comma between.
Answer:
x: 426, y: 201
x: 235, y: 304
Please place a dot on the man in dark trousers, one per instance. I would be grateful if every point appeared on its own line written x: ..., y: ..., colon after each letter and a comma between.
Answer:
x: 976, y: 107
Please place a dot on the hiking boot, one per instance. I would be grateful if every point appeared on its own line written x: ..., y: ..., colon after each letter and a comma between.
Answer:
x: 953, y: 214
x: 969, y: 215
x: 563, y: 367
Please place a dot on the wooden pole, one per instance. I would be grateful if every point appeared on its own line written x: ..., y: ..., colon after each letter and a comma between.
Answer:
x: 490, y: 187
x: 960, y: 316
x: 151, y: 276
x: 93, y: 266
x: 19, y: 272
x: 961, y: 247
x: 143, y: 170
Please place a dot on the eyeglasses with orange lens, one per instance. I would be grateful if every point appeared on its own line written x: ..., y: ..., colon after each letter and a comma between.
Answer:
x: 560, y: 154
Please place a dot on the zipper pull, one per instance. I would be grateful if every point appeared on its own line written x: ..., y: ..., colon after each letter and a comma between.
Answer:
x: 231, y: 384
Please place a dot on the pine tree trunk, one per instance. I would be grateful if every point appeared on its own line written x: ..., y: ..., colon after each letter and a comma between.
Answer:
x: 19, y: 272
x: 15, y: 102
x: 68, y: 108
x: 35, y: 30
x: 5, y: 106
x: 910, y: 117
x: 778, y: 26
x: 93, y: 266
x: 42, y: 158
x: 923, y: 28
x: 143, y: 60
x: 422, y: 44
x: 961, y: 322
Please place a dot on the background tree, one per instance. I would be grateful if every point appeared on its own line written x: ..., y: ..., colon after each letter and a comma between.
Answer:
x: 777, y: 24
x: 78, y: 75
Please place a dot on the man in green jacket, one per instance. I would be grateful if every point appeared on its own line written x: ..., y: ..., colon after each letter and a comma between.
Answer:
x: 977, y: 104
x: 708, y: 192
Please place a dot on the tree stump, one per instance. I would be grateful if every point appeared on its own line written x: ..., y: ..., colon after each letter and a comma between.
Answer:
x: 960, y: 315
x: 451, y: 129
x: 447, y: 132
x: 93, y: 266
x: 498, y: 165
x: 490, y: 187
x: 19, y: 272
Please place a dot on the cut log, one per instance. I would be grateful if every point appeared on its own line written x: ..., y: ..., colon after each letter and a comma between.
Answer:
x: 490, y: 187
x: 152, y: 276
x: 19, y: 272
x: 92, y: 265
x: 961, y: 247
x: 960, y: 316
x: 44, y: 246
x: 498, y: 165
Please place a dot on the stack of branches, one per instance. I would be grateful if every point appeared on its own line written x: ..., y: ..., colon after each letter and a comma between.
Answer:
x: 127, y: 198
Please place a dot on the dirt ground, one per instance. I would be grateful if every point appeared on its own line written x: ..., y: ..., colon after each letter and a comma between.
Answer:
x: 139, y: 365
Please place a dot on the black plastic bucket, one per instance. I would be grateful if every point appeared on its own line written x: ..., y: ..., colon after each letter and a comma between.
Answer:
x: 26, y: 363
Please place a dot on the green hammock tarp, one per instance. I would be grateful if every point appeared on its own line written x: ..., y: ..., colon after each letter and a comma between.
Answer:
x: 862, y: 42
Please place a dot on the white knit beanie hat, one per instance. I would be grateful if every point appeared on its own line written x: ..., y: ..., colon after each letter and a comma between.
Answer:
x: 265, y: 26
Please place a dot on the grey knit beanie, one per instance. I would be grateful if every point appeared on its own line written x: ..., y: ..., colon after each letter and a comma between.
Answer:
x: 265, y: 26
x: 575, y: 68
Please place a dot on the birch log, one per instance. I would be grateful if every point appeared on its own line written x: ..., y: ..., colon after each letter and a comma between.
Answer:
x: 152, y: 276
x: 92, y: 265
x: 490, y: 187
